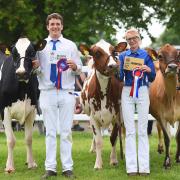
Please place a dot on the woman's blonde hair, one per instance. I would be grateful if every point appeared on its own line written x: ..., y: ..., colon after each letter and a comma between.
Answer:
x: 132, y: 31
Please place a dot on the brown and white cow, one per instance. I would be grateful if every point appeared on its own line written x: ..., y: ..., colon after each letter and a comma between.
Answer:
x: 101, y: 92
x: 165, y: 99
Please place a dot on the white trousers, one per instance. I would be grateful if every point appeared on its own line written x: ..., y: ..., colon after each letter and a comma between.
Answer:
x: 136, y: 161
x: 58, y: 109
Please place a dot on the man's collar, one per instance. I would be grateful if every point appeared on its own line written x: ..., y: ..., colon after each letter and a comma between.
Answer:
x: 49, y: 39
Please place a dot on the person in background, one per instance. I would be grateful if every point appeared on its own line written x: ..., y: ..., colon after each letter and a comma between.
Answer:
x: 135, y: 92
x: 79, y: 80
x: 58, y: 64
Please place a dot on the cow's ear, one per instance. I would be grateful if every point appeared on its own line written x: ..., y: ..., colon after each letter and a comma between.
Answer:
x: 84, y: 49
x: 121, y: 47
x: 152, y: 53
x: 5, y: 49
x: 39, y: 46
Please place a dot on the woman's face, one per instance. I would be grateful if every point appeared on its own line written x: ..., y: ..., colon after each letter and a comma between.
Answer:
x: 133, y: 40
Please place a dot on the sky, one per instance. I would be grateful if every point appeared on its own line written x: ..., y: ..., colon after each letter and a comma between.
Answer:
x: 156, y: 29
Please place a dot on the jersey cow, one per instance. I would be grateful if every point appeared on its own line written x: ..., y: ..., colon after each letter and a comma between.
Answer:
x: 18, y: 95
x: 101, y: 93
x: 165, y: 99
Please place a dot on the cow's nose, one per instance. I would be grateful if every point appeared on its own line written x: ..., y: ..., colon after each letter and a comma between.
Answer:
x: 172, y: 66
x: 113, y: 66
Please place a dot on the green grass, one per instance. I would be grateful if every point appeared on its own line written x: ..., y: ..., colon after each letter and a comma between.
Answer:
x: 83, y: 160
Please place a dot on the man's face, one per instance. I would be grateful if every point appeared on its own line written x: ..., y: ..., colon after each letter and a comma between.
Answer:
x: 54, y: 27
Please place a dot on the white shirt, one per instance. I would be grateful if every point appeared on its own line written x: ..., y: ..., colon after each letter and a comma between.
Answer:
x: 64, y: 47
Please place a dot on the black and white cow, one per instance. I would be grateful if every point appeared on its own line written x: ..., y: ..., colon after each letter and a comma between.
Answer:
x: 18, y: 95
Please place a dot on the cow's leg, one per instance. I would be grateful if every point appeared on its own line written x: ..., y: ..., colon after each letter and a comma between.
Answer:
x: 160, y: 139
x: 98, y: 144
x: 178, y: 144
x: 113, y: 155
x: 113, y: 139
x: 167, y: 161
x: 10, y: 141
x: 93, y: 145
x: 28, y: 137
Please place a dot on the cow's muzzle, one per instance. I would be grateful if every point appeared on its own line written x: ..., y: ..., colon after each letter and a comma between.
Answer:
x: 23, y: 77
x: 171, y: 69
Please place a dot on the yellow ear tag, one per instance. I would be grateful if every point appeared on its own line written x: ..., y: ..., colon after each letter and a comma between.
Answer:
x: 7, y: 52
x: 153, y: 57
x: 86, y: 52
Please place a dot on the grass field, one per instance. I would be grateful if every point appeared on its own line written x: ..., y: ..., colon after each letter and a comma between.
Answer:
x: 83, y: 160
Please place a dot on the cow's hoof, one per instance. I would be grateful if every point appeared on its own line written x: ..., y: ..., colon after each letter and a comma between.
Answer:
x: 114, y: 163
x: 97, y: 168
x: 92, y: 150
x: 32, y: 165
x: 160, y: 149
x: 9, y: 170
x: 167, y: 163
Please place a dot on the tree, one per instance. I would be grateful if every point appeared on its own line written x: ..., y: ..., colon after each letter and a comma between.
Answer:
x: 83, y: 21
x: 172, y: 33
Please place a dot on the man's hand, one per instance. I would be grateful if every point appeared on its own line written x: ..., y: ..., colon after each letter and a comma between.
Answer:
x: 72, y: 65
x: 35, y: 64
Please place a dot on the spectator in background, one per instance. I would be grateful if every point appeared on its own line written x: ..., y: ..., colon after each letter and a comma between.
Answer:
x: 79, y: 80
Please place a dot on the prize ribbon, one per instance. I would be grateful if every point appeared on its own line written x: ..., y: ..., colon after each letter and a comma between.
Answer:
x: 61, y: 66
x: 137, y: 74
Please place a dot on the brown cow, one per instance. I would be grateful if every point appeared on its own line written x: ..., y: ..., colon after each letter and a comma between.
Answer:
x: 101, y: 94
x: 165, y: 99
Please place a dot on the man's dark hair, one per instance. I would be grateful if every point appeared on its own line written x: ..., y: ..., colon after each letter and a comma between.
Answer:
x: 55, y: 16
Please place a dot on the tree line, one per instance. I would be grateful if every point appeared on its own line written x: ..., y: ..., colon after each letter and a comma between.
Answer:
x: 86, y: 21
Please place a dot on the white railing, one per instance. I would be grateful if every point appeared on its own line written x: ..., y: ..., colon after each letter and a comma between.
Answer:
x: 85, y: 117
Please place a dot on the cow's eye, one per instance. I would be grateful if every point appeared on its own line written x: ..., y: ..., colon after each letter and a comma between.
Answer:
x: 160, y: 57
x: 98, y: 54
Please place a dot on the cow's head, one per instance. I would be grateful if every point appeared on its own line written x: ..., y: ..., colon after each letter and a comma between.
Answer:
x: 23, y: 54
x: 168, y: 60
x: 105, y: 56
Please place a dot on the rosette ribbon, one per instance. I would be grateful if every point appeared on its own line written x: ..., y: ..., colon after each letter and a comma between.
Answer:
x: 61, y: 66
x: 137, y: 74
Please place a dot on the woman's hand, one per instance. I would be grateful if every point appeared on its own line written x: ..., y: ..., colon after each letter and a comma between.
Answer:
x: 145, y: 68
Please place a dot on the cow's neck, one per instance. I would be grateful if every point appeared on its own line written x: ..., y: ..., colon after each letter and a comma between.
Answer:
x: 103, y: 81
x: 170, y: 86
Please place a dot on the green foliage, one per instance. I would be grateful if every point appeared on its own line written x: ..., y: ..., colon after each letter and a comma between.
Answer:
x: 172, y: 32
x: 84, y: 21
x: 169, y: 36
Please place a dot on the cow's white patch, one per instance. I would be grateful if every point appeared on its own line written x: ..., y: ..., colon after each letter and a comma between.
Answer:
x: 21, y: 109
x: 21, y: 46
x: 104, y: 117
x: 104, y: 45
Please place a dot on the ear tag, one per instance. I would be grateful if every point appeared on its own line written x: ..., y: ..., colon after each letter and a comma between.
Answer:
x: 7, y: 52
